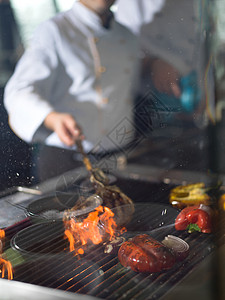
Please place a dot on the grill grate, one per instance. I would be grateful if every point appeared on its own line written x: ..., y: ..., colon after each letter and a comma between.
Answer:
x: 101, y: 275
x: 104, y: 277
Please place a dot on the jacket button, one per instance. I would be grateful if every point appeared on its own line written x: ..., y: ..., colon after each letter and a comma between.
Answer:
x: 102, y: 69
x: 105, y: 100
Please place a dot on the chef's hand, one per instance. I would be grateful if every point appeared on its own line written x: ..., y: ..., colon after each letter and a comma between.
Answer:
x: 165, y: 78
x: 65, y: 126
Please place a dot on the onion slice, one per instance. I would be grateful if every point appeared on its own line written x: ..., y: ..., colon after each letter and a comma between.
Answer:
x: 206, y: 208
x: 112, y: 246
x: 179, y: 247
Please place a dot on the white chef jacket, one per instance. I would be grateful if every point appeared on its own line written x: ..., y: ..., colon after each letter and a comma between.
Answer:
x: 77, y: 66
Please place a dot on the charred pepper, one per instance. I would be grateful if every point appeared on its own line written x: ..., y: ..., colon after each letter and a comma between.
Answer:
x: 194, y: 218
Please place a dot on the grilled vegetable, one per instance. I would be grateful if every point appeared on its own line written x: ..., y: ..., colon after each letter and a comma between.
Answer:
x: 194, y: 218
x: 112, y: 246
x: 179, y: 247
x: 191, y: 194
x: 145, y: 254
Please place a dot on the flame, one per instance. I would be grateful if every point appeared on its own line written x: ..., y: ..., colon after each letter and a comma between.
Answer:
x: 69, y: 235
x: 2, y: 234
x: 96, y: 228
x: 4, y: 264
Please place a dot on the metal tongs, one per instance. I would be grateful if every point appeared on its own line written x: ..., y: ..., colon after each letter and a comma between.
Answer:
x: 97, y: 175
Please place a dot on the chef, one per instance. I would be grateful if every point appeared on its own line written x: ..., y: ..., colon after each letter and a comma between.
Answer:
x: 74, y: 81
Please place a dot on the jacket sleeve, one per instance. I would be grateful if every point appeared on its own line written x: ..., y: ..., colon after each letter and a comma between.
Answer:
x: 28, y: 91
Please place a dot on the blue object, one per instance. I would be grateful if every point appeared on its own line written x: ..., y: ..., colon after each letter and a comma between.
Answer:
x: 190, y: 95
x: 189, y: 99
x: 164, y: 107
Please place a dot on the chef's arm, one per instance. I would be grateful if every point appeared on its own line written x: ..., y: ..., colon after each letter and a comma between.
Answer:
x: 28, y: 95
x: 65, y: 126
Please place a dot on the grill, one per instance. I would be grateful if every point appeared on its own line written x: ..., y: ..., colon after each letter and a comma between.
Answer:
x: 103, y: 276
x: 47, y: 261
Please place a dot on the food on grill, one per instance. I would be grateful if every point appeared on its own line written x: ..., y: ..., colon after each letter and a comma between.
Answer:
x: 194, y: 218
x: 107, y: 196
x: 112, y: 246
x: 179, y: 247
x: 115, y: 199
x: 188, y: 195
x: 111, y: 195
x: 144, y: 254
x: 97, y: 228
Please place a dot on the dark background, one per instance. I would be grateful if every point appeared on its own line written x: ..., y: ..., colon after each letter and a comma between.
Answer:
x: 15, y: 155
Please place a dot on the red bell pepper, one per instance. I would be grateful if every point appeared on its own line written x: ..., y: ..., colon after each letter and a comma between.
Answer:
x: 144, y: 254
x: 194, y: 219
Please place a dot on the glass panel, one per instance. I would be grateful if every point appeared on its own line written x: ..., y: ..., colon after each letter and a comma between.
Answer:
x: 178, y: 126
